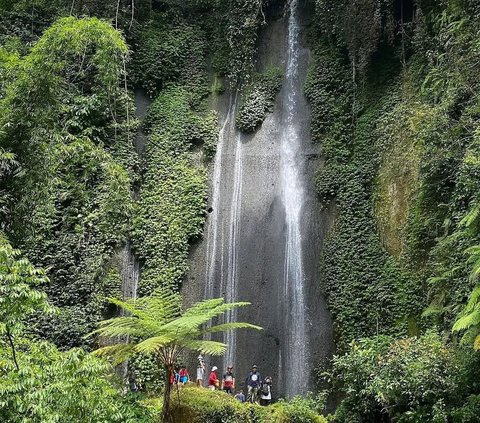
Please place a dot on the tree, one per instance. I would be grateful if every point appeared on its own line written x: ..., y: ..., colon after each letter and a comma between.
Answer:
x: 54, y: 386
x: 17, y: 297
x: 157, y: 325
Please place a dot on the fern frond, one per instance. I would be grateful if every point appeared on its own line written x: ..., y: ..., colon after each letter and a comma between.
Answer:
x: 125, y: 326
x: 153, y: 344
x: 202, y: 306
x: 118, y: 352
x: 190, y: 322
x: 205, y: 347
x: 467, y: 321
x: 432, y: 310
x: 471, y: 217
x: 131, y: 307
x: 474, y: 300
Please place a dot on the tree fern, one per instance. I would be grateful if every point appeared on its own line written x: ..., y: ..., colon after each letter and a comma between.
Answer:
x: 160, y: 327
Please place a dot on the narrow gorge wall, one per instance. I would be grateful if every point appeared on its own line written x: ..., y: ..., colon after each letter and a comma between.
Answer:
x: 264, y: 233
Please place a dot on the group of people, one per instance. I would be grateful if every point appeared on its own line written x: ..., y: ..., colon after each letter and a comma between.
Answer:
x: 258, y: 390
x: 180, y: 375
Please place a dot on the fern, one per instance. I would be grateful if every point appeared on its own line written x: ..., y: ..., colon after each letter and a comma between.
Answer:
x: 161, y: 328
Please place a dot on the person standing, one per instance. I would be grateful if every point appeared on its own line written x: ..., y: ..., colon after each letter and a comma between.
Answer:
x: 253, y: 382
x: 266, y: 391
x: 228, y: 381
x: 213, y: 379
x: 200, y: 371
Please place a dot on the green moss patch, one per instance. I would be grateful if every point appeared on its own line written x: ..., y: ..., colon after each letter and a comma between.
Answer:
x: 259, y: 99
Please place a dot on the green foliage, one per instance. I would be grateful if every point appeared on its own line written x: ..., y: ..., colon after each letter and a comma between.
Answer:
x: 356, y: 266
x: 205, y: 406
x: 166, y: 52
x: 259, y: 99
x: 52, y: 386
x: 65, y: 119
x: 406, y: 379
x: 18, y: 298
x: 244, y: 18
x: 171, y: 209
x: 359, y: 26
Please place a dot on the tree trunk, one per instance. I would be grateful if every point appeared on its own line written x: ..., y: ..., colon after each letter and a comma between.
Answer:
x: 166, y: 418
x: 12, y: 346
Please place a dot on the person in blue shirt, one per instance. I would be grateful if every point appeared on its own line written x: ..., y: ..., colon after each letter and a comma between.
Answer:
x: 240, y: 396
x: 253, y: 382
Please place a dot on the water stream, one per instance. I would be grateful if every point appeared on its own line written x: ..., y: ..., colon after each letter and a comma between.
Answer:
x: 293, y: 195
x: 230, y: 228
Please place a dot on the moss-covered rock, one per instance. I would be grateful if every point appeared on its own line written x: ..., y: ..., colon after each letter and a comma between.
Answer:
x: 259, y: 99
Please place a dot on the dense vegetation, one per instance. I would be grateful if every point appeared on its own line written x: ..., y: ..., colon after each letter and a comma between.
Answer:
x: 394, y: 98
x: 394, y: 92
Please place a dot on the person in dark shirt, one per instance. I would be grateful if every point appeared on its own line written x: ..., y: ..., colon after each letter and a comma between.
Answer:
x: 253, y: 382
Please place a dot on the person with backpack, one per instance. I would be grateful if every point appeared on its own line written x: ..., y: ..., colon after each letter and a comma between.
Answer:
x: 253, y: 382
x: 213, y: 381
x: 200, y: 371
x: 228, y: 381
x: 266, y: 391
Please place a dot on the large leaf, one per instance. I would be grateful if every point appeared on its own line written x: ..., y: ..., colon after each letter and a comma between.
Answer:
x: 205, y: 347
x: 154, y: 344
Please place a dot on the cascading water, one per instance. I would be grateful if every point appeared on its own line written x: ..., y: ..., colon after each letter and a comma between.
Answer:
x: 264, y: 232
x: 291, y: 168
x: 228, y: 278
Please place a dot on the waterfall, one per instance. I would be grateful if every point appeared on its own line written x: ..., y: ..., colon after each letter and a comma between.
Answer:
x: 130, y: 274
x: 229, y: 228
x: 293, y: 196
x: 264, y: 231
x: 213, y: 224
x: 230, y: 288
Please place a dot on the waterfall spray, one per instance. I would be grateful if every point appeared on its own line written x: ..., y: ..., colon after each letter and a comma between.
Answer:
x: 293, y: 197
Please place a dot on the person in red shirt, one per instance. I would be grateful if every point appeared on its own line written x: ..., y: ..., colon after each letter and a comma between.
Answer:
x: 183, y: 375
x: 228, y: 381
x: 213, y: 379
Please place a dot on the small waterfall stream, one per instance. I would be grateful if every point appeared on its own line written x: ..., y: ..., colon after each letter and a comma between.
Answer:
x: 229, y: 239
x: 130, y: 273
x: 293, y: 195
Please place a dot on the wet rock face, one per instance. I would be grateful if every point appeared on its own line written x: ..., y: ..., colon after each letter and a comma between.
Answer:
x: 259, y: 230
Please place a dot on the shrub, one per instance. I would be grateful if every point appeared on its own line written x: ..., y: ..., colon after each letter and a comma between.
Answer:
x: 195, y: 405
x: 54, y: 386
x: 402, y: 379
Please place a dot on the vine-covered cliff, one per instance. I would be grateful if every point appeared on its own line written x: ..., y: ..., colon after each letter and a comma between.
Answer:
x: 213, y: 146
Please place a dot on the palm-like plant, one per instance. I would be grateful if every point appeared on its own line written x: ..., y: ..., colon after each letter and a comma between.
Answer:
x: 157, y: 325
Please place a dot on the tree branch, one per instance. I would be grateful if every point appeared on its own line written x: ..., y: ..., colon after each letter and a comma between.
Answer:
x: 12, y: 345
